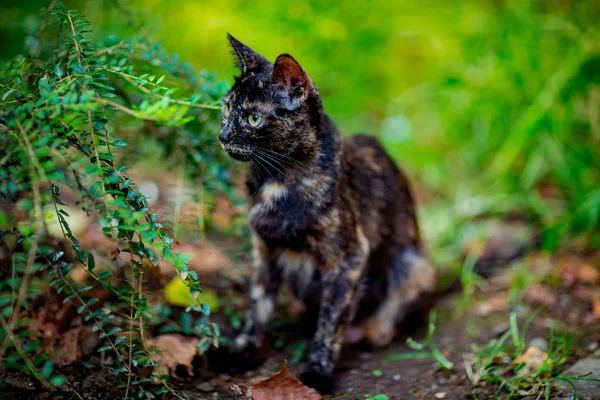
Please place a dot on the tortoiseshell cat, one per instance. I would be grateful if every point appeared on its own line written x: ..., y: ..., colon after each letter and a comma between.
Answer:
x: 333, y: 217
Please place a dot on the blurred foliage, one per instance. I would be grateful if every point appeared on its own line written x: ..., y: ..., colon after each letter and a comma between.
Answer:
x: 491, y: 106
x: 61, y: 109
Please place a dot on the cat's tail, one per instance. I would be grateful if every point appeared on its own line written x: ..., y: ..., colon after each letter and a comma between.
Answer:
x: 449, y: 280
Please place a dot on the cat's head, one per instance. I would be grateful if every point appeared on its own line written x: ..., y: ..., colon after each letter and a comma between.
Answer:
x: 271, y: 110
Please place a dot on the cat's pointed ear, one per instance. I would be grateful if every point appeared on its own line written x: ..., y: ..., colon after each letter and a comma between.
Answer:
x: 289, y: 74
x: 249, y: 61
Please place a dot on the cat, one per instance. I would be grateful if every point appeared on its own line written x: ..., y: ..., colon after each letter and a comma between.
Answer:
x: 333, y: 217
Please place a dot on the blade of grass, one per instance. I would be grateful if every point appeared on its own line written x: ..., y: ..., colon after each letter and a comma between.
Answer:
x: 514, y: 330
x: 410, y: 356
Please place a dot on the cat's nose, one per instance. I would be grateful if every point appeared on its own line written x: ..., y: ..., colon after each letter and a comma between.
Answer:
x: 225, y: 135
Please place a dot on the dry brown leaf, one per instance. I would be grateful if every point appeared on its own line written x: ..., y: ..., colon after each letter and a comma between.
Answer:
x: 69, y: 350
x: 206, y: 259
x: 575, y: 271
x: 73, y: 344
x: 497, y: 302
x: 587, y: 273
x: 596, y: 303
x: 176, y: 350
x: 539, y: 295
x: 534, y: 358
x: 282, y: 386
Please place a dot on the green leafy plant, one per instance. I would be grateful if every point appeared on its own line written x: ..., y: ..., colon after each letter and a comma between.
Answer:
x: 427, y: 349
x: 517, y: 372
x: 61, y: 110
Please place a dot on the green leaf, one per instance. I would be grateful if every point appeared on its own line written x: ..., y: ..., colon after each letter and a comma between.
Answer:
x: 47, y: 368
x: 205, y: 309
x: 56, y: 256
x: 5, y: 95
x: 58, y: 380
x: 380, y: 397
x: 104, y: 348
x: 44, y: 84
x: 104, y: 275
x: 119, y: 143
x: 203, y: 345
x: 91, y: 262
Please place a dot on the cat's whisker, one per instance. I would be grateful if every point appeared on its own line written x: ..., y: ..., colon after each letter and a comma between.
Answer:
x: 254, y: 164
x: 279, y: 158
x: 263, y: 158
x: 277, y: 162
x: 272, y: 164
x: 262, y: 164
x: 283, y: 156
x: 216, y: 148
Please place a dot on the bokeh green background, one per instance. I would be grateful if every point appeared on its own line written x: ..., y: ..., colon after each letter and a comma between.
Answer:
x: 491, y: 106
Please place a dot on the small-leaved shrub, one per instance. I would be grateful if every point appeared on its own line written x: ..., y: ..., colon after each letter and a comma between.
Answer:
x: 61, y: 110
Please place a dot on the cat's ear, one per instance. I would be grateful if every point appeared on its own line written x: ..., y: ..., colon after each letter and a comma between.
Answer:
x: 249, y: 61
x: 289, y: 74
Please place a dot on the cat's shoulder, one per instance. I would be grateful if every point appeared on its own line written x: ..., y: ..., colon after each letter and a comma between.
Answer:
x: 364, y: 149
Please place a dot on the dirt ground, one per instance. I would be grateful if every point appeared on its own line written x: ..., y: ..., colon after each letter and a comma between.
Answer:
x: 456, y: 334
x: 360, y: 371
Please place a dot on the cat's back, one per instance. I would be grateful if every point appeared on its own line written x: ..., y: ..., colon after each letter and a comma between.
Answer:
x: 380, y: 189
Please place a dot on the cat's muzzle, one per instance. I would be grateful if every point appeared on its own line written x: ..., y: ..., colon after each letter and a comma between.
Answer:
x: 237, y: 152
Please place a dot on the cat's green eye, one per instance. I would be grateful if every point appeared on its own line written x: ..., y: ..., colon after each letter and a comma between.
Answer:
x: 254, y: 120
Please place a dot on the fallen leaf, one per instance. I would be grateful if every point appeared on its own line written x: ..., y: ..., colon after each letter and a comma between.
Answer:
x: 282, y: 386
x: 534, y: 358
x: 77, y: 221
x: 204, y: 258
x: 78, y: 274
x: 440, y: 395
x: 587, y: 273
x: 539, y: 295
x: 178, y: 294
x: 495, y: 303
x: 575, y: 271
x: 596, y: 303
x: 151, y: 190
x: 75, y: 343
x: 175, y: 349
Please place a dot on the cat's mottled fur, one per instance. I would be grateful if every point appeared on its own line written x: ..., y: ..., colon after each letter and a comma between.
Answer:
x: 333, y: 217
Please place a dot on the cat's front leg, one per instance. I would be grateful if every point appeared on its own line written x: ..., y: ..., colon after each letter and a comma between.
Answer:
x: 337, y: 309
x: 261, y: 303
x: 243, y: 353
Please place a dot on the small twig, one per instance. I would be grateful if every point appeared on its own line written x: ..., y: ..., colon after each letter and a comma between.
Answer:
x: 10, y: 335
x: 121, y: 108
x: 147, y: 91
x: 39, y: 226
x: 130, y: 341
x: 77, y: 48
x: 121, y: 45
x: 43, y: 28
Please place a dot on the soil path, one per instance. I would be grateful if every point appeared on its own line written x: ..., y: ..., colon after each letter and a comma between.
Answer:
x: 363, y: 372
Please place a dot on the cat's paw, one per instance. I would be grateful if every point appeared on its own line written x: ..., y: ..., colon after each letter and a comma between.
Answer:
x: 233, y: 358
x: 322, y: 383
